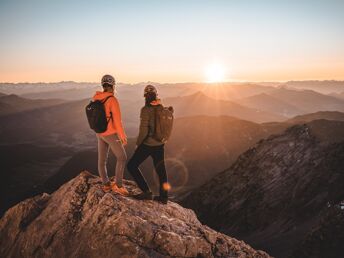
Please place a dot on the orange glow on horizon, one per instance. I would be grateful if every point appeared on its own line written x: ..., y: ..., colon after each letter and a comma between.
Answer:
x: 239, y: 72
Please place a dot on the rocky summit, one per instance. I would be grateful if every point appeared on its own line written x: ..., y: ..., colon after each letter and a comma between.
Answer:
x: 80, y: 220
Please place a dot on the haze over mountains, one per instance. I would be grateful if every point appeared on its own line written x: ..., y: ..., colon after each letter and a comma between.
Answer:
x: 292, y: 97
x: 10, y: 104
x: 324, y: 87
x: 239, y: 142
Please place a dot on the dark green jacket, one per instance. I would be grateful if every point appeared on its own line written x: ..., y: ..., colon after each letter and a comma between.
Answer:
x: 147, y: 127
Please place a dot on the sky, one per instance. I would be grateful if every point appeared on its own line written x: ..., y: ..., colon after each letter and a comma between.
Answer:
x: 171, y: 41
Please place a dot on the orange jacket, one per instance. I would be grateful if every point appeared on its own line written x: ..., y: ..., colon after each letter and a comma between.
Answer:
x: 111, y: 105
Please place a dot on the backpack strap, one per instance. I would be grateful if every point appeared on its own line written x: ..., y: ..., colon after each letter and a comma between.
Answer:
x: 103, y: 102
x: 155, y: 108
x: 107, y: 99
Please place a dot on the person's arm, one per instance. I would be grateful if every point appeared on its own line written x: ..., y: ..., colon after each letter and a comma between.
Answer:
x: 144, y: 126
x: 117, y: 118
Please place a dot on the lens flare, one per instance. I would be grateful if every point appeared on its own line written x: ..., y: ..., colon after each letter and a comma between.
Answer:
x: 166, y: 186
x: 177, y: 174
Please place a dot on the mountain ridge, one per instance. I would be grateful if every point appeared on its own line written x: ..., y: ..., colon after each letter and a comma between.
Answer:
x: 272, y: 195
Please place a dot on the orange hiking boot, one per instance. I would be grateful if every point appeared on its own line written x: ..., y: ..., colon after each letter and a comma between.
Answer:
x: 106, y: 187
x: 120, y: 190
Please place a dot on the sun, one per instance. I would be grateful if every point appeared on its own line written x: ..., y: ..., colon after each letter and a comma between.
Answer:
x: 215, y: 73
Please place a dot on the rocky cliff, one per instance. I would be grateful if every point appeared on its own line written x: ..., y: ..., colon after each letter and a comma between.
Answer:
x: 277, y: 192
x: 80, y: 220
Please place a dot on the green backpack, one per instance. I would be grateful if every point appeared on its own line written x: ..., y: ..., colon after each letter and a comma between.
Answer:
x: 163, y: 123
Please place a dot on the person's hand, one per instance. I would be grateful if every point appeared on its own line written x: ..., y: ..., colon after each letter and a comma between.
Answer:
x: 124, y: 141
x: 135, y: 147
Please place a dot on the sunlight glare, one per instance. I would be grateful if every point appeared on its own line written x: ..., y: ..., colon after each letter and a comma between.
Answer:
x: 215, y: 73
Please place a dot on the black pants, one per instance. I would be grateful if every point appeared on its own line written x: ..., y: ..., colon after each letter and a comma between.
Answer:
x: 141, y: 153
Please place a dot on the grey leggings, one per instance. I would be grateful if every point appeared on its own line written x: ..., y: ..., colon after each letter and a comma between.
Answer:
x: 104, y: 144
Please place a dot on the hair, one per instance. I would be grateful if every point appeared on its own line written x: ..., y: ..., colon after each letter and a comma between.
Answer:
x: 149, y: 97
x: 106, y: 86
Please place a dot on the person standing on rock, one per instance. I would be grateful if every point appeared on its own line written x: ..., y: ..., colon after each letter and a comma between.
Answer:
x: 111, y: 137
x: 147, y: 145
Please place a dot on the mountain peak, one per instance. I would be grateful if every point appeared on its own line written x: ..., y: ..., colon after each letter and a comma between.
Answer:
x: 291, y: 179
x: 80, y: 220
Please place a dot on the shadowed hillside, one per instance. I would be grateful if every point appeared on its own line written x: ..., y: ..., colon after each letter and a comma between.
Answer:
x: 24, y: 168
x: 275, y: 193
x: 10, y: 104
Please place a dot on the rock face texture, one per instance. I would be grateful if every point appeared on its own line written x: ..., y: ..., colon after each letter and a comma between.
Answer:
x: 277, y: 192
x: 327, y: 238
x: 80, y: 220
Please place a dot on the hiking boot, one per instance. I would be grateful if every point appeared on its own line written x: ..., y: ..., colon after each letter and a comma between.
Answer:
x: 120, y: 190
x: 143, y: 196
x: 106, y: 187
x: 161, y: 199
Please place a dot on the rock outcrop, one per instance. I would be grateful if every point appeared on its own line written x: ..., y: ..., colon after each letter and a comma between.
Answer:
x: 276, y: 193
x: 80, y: 220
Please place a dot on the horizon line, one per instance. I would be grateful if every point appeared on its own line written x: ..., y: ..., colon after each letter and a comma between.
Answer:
x: 194, y: 82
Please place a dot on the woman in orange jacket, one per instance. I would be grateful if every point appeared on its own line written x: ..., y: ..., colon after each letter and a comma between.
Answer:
x: 113, y: 138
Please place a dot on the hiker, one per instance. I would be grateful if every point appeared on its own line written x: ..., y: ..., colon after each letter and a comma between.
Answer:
x: 148, y: 145
x: 111, y: 136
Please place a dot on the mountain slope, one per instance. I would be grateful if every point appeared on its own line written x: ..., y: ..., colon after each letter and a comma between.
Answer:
x: 339, y: 95
x: 233, y: 91
x: 200, y: 104
x: 308, y: 101
x: 24, y: 167
x: 273, y: 194
x: 330, y: 229
x: 61, y: 124
x: 328, y: 115
x: 80, y: 220
x: 10, y: 104
x: 270, y: 104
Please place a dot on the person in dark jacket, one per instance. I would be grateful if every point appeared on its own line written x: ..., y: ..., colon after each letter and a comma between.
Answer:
x: 148, y: 146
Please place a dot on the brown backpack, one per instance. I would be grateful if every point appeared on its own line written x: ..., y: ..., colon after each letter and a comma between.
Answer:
x: 163, y: 123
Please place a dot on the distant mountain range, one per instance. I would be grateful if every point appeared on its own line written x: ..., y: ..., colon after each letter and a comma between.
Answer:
x: 324, y: 87
x: 288, y: 102
x: 327, y: 115
x: 201, y: 104
x: 308, y: 101
x: 339, y: 95
x: 64, y: 122
x: 269, y: 103
x: 225, y: 90
x: 10, y: 104
x: 61, y: 124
